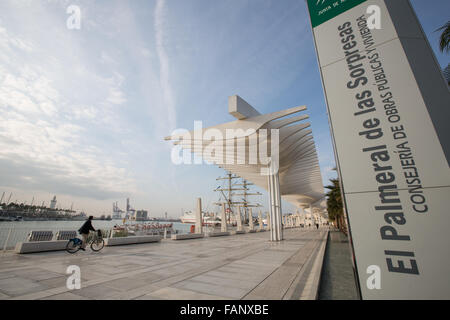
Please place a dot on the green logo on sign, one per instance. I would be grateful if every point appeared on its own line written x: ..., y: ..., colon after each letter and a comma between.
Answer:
x: 324, y: 10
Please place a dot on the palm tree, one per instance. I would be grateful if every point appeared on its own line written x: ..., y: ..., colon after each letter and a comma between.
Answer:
x: 447, y: 73
x: 335, y: 205
x: 444, y: 40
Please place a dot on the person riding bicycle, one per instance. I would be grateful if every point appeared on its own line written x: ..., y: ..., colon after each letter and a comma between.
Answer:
x: 84, y: 231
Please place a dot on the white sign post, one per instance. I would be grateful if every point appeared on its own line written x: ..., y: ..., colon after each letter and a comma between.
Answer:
x: 389, y: 108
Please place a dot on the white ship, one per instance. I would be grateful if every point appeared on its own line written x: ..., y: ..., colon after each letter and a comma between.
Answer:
x: 189, y: 217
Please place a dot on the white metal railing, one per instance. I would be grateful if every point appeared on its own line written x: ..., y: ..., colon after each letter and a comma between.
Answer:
x: 10, y: 236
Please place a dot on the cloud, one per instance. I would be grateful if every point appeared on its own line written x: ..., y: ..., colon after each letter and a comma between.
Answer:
x: 164, y: 64
x: 84, y: 112
x: 105, y: 58
x: 28, y: 93
x: 46, y: 142
x: 146, y: 52
x: 116, y: 96
x: 22, y: 174
x: 8, y: 42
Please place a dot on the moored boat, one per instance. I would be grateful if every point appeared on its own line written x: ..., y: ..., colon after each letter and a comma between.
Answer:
x: 145, y: 229
x: 189, y: 217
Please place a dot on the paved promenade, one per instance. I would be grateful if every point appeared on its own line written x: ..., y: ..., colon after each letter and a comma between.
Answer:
x: 235, y: 267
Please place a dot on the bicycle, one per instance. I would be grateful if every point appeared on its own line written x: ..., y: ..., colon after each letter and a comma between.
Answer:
x: 96, y: 243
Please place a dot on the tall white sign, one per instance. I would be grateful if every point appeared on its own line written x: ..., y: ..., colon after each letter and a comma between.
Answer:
x: 388, y: 108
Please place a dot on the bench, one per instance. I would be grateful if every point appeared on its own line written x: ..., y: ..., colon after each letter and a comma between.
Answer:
x: 40, y: 246
x: 131, y: 240
x: 187, y: 236
x: 66, y: 235
x: 218, y: 234
x: 40, y: 236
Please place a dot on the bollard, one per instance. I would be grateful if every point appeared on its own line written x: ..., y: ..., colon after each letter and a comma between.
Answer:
x: 239, y: 219
x: 260, y: 221
x: 223, y: 224
x: 199, y: 217
x: 250, y: 219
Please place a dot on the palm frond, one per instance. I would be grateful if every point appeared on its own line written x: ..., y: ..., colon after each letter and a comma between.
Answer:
x: 444, y: 39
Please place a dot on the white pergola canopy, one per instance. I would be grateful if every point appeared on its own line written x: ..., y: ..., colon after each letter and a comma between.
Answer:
x: 300, y: 181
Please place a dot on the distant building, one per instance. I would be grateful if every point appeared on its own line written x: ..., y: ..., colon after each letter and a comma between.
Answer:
x: 141, y: 215
x: 53, y: 203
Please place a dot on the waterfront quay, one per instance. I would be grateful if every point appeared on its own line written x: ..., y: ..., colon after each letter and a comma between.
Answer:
x: 245, y: 266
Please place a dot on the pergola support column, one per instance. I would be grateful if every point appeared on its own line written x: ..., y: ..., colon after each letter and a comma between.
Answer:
x: 276, y: 228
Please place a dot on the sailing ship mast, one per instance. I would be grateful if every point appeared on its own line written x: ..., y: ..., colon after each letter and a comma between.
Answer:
x: 246, y: 204
x: 229, y: 196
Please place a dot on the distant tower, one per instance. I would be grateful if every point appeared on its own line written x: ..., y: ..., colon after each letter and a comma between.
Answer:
x: 53, y: 203
x: 166, y: 215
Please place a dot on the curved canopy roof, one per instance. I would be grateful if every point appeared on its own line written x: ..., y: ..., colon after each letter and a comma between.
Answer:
x: 246, y: 146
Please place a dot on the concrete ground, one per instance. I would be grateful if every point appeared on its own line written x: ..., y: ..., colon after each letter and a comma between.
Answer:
x: 337, y: 281
x: 235, y: 267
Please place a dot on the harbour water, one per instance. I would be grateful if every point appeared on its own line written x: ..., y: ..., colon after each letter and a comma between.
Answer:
x: 17, y: 231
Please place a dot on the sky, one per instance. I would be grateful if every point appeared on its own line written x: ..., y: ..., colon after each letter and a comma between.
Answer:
x: 83, y: 112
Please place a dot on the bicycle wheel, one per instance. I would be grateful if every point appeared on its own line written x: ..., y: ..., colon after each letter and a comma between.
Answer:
x: 72, y: 246
x: 97, y: 244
